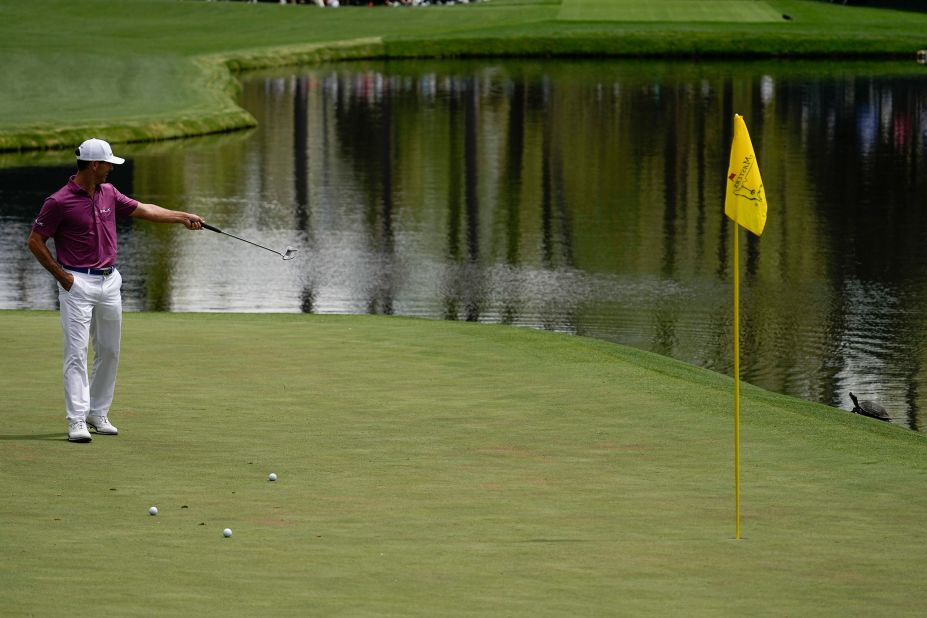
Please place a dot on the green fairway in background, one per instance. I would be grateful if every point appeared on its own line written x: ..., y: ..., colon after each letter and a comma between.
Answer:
x: 669, y: 10
x: 438, y: 469
x: 160, y: 69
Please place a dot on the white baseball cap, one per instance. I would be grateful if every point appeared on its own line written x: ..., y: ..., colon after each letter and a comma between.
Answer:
x: 97, y: 150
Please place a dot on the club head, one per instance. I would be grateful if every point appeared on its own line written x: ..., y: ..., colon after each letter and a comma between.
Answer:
x: 290, y: 253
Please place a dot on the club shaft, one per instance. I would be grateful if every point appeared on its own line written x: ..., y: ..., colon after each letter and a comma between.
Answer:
x: 215, y: 229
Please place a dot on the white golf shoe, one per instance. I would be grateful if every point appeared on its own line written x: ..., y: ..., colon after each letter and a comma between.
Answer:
x: 77, y: 432
x: 101, y: 425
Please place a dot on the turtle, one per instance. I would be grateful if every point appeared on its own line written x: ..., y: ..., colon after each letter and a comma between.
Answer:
x: 870, y: 409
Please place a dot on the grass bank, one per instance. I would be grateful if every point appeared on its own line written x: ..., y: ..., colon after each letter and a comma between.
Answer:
x: 436, y: 468
x: 139, y: 70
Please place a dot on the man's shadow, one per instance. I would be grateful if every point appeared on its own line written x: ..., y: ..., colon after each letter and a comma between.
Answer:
x: 34, y: 436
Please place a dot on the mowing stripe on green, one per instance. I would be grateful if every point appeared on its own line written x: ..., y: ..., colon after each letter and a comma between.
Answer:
x: 669, y: 10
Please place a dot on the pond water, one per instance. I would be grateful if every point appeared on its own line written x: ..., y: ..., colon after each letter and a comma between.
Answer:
x: 584, y: 197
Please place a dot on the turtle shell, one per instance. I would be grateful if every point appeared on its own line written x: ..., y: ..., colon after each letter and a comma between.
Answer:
x: 870, y: 409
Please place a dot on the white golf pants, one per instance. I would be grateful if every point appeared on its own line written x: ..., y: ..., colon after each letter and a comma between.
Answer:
x: 90, y: 311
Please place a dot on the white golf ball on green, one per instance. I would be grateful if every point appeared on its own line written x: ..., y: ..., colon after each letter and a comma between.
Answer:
x: 153, y: 510
x: 272, y: 477
x: 227, y: 532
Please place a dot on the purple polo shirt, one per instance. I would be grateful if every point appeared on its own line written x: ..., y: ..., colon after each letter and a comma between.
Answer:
x: 84, y: 227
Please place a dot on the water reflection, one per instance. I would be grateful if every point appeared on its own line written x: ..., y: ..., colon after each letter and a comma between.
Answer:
x: 580, y: 197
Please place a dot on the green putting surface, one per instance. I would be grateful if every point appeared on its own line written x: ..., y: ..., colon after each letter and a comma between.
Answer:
x: 438, y: 469
x: 745, y: 11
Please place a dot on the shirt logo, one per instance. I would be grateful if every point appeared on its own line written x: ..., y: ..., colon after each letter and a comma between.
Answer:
x: 105, y: 211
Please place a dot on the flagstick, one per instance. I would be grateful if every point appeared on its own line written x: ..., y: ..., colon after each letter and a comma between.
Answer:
x: 737, y: 380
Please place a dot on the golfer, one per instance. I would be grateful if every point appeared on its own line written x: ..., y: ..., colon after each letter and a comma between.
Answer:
x: 81, y: 217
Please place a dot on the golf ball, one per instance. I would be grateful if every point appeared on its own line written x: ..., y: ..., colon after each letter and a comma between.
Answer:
x: 227, y: 532
x: 271, y: 477
x: 153, y: 510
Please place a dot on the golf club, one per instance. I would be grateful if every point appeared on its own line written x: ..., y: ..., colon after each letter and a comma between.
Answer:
x: 289, y: 254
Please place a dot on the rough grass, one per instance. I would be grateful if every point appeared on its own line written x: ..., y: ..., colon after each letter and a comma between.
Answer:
x: 137, y: 70
x: 436, y: 468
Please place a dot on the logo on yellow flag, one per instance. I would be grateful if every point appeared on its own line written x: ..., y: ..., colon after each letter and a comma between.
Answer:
x: 745, y: 200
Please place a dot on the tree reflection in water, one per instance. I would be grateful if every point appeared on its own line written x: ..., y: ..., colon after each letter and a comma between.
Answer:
x: 580, y: 197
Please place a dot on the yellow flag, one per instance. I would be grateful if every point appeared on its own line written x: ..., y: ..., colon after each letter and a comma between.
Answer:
x: 745, y: 200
